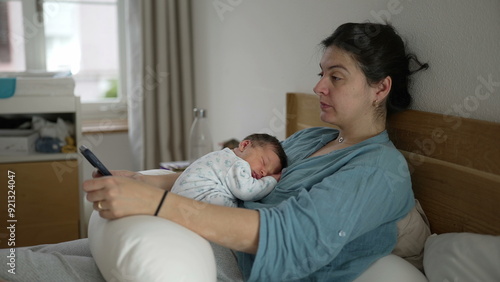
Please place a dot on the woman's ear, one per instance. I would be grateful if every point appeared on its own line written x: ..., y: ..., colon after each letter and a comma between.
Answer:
x: 383, y: 88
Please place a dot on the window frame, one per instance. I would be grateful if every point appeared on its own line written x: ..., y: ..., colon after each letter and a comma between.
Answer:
x: 35, y: 56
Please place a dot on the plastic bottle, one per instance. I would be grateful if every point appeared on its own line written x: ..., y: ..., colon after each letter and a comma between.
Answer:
x: 200, y: 140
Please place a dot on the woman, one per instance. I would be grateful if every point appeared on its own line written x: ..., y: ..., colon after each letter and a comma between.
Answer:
x: 335, y: 209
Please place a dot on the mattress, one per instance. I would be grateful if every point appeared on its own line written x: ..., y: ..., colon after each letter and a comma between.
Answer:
x: 36, y: 84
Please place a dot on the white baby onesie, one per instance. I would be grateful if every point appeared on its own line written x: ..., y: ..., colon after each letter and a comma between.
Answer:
x: 222, y: 178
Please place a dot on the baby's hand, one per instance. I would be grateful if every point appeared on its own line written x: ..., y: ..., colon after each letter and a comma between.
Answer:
x: 276, y: 176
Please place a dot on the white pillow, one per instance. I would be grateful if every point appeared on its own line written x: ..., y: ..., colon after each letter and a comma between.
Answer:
x: 147, y: 248
x: 462, y: 257
x: 391, y: 268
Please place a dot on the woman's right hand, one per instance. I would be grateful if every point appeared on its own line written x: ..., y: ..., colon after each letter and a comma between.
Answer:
x: 118, y: 196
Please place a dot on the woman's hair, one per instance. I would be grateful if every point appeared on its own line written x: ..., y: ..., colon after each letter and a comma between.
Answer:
x: 262, y: 140
x: 379, y: 52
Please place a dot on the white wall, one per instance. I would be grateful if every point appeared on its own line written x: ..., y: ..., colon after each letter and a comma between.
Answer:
x: 248, y: 54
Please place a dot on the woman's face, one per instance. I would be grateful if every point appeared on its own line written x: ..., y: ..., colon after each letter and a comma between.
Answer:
x: 345, y: 96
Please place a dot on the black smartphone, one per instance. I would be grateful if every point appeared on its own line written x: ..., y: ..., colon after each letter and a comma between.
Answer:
x: 94, y: 161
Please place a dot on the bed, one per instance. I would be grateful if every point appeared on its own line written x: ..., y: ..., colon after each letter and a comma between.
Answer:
x: 455, y: 172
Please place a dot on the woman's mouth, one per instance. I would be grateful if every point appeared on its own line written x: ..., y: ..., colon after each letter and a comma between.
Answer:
x: 324, y: 106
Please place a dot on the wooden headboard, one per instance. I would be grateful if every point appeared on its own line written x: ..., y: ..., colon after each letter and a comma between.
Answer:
x: 454, y: 163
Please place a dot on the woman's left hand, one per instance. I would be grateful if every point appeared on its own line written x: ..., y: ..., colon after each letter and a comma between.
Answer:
x: 115, y: 197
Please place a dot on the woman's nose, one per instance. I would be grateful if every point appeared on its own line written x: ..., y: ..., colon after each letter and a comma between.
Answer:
x: 321, y: 88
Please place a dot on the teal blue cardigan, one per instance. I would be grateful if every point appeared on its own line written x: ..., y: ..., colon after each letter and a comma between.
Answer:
x: 330, y: 216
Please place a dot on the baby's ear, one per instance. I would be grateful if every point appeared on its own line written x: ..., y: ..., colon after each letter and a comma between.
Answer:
x: 244, y: 144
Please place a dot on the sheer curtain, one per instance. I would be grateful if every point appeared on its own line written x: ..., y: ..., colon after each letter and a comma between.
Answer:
x: 160, y: 87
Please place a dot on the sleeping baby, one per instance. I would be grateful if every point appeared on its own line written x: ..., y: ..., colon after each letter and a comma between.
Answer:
x: 248, y: 172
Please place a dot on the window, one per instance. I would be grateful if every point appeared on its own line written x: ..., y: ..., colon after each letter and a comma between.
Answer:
x: 82, y: 37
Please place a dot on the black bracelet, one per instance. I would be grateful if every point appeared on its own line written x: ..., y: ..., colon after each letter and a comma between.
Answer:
x: 161, y: 202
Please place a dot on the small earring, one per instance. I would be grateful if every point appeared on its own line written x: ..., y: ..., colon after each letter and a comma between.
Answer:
x: 375, y: 103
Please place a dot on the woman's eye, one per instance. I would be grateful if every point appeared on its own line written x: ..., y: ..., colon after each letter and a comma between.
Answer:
x: 320, y: 74
x: 335, y: 78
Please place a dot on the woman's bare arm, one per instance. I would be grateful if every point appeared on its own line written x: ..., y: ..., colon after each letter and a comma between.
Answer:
x: 235, y: 228
x: 163, y: 181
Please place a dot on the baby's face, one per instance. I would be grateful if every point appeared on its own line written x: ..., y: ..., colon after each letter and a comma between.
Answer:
x: 263, y: 161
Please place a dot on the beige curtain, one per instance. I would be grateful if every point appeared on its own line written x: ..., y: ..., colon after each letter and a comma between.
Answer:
x: 160, y: 71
